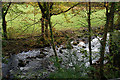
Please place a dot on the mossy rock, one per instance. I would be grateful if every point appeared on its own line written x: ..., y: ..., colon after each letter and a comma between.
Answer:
x: 41, y: 56
x: 69, y: 47
x: 75, y: 43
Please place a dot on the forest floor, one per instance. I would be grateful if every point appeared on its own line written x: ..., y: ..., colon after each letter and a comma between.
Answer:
x: 18, y: 45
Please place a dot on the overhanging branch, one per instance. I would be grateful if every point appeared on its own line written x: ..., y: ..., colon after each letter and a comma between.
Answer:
x: 65, y: 10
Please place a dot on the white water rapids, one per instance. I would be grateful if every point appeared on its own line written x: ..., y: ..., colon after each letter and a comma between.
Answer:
x: 80, y: 52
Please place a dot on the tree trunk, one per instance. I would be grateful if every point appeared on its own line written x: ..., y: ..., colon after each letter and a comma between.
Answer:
x: 46, y: 19
x: 43, y: 18
x: 4, y: 27
x: 46, y: 27
x: 103, y: 44
x: 50, y: 25
x: 89, y: 39
x: 89, y: 29
x: 4, y: 13
x: 111, y: 26
x: 114, y: 45
x: 42, y: 26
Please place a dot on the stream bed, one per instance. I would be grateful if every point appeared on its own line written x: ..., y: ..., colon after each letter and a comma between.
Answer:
x: 38, y: 62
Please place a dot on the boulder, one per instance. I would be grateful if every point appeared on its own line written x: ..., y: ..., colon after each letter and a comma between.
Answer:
x: 21, y: 63
x: 42, y: 55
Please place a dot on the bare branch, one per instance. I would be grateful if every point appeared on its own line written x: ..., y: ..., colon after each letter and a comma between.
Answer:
x: 14, y: 18
x: 7, y: 8
x: 28, y: 27
x: 65, y: 10
x: 41, y: 8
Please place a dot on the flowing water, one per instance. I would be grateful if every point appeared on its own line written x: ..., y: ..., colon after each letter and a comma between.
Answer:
x: 38, y: 62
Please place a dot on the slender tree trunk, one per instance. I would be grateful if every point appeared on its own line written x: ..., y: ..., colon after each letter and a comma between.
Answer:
x: 46, y: 20
x: 89, y: 29
x: 42, y: 26
x: 43, y: 18
x: 4, y: 13
x: 111, y: 26
x: 103, y: 44
x: 4, y: 27
x: 50, y: 25
x: 46, y: 27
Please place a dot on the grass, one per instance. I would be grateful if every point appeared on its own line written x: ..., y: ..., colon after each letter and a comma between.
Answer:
x: 79, y: 20
x: 23, y: 24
